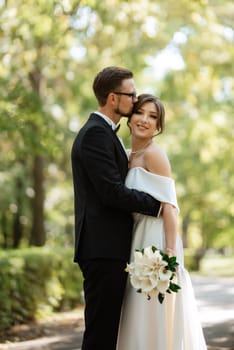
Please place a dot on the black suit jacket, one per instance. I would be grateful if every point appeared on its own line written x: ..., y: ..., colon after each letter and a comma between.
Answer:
x: 103, y: 205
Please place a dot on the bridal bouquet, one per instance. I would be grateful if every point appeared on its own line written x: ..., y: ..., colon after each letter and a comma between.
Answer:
x: 152, y: 273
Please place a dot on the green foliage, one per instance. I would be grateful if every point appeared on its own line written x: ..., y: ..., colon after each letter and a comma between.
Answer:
x: 48, y: 62
x: 217, y: 265
x: 193, y: 258
x: 35, y: 281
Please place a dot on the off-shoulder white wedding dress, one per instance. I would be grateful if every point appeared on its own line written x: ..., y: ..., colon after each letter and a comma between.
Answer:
x: 147, y: 324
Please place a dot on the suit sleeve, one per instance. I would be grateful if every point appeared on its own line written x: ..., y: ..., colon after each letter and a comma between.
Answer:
x: 98, y: 157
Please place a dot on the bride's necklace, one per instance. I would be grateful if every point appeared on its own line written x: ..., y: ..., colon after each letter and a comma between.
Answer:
x: 141, y: 149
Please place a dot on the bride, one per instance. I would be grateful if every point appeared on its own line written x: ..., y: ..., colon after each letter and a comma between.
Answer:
x: 147, y: 324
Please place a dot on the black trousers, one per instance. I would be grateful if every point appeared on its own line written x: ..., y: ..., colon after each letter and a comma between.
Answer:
x: 104, y: 284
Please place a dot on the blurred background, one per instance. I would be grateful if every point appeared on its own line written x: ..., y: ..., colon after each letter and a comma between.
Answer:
x: 50, y: 51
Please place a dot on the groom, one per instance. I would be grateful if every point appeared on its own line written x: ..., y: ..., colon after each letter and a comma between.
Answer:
x: 104, y: 206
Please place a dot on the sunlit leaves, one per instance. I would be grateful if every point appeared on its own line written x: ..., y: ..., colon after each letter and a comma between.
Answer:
x: 182, y: 51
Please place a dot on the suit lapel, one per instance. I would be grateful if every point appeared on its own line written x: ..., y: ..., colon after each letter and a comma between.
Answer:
x: 118, y: 143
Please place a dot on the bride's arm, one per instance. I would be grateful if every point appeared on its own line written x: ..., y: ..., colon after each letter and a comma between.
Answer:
x: 156, y: 161
x: 170, y: 228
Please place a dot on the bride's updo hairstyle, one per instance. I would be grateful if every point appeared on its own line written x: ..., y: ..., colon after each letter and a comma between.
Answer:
x: 145, y: 98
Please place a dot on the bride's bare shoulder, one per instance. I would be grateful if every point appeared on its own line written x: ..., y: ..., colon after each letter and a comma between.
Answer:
x: 156, y: 161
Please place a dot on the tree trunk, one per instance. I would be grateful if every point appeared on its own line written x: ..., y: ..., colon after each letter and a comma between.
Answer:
x: 17, y: 226
x: 4, y: 230
x: 17, y: 231
x: 38, y: 236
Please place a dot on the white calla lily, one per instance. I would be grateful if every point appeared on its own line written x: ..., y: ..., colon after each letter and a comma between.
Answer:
x: 148, y: 273
x: 163, y: 286
x: 164, y: 274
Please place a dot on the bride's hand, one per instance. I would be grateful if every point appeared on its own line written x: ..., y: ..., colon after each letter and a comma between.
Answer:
x: 170, y: 252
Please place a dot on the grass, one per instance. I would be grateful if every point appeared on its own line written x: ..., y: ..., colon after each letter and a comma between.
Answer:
x: 217, y: 265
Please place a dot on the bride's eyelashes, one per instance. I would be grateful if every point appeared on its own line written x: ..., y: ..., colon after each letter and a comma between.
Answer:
x: 140, y: 112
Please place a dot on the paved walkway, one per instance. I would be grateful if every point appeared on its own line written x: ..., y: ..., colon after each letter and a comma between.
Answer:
x: 215, y: 297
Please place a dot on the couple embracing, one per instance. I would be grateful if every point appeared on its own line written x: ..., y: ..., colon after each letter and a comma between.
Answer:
x: 125, y: 202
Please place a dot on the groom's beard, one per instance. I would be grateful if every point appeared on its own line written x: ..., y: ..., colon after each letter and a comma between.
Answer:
x: 123, y: 113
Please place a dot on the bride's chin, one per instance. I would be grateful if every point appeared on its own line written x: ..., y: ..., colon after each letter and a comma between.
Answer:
x: 141, y: 137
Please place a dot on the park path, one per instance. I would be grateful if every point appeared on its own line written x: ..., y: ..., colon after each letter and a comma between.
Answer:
x: 215, y: 299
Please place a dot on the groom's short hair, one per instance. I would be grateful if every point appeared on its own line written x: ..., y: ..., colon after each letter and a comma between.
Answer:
x: 108, y: 80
